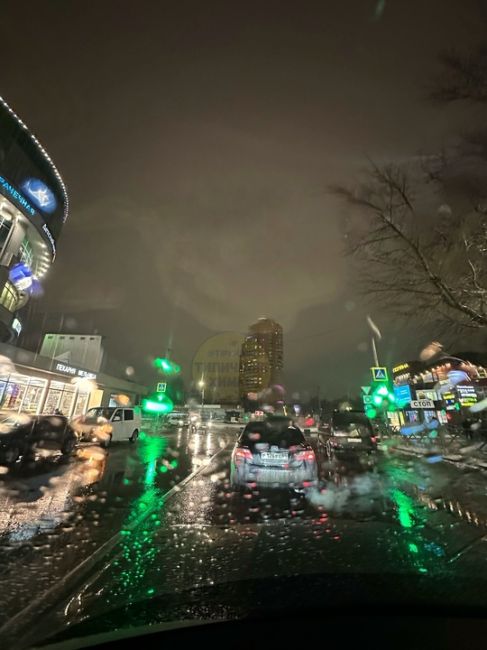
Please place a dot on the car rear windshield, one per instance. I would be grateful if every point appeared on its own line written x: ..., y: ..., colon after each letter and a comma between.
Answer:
x: 350, y: 418
x: 263, y: 432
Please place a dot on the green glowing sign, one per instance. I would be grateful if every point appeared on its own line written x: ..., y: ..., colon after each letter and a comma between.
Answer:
x: 162, y: 404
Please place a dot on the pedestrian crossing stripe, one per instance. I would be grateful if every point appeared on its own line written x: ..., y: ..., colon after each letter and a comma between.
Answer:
x: 379, y: 373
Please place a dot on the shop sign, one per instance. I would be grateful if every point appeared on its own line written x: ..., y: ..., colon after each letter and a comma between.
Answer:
x: 401, y: 367
x: 422, y: 404
x: 467, y: 395
x: 402, y: 394
x: 426, y: 394
x: 74, y: 372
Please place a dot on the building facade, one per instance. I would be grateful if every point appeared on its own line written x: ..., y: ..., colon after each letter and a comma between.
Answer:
x: 216, y: 368
x: 33, y: 209
x: 85, y: 350
x: 261, y: 357
x: 442, y: 389
x: 31, y: 383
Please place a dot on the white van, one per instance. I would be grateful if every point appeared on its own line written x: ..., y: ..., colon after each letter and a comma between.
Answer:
x: 105, y: 424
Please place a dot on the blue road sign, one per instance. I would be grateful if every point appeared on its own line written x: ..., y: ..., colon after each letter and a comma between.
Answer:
x: 379, y: 373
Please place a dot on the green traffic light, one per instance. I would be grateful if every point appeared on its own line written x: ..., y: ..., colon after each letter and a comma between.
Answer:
x: 371, y: 413
x: 167, y: 366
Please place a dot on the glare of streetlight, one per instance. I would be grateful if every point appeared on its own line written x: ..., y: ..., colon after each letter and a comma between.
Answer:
x: 201, y: 383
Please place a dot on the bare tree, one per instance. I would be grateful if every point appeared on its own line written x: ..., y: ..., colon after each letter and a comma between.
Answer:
x: 463, y: 77
x: 416, y: 257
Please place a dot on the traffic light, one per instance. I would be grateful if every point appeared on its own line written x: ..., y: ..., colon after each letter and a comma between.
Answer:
x: 378, y: 399
x: 167, y: 366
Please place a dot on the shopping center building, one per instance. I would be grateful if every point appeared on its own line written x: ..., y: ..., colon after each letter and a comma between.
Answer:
x: 34, y: 384
x: 33, y: 208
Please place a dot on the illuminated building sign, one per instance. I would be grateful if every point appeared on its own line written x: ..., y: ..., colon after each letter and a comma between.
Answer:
x: 450, y: 400
x: 402, y: 395
x: 400, y: 368
x: 74, y: 372
x: 19, y: 198
x: 16, y: 326
x: 40, y: 194
x: 50, y: 237
x: 426, y: 394
x: 467, y: 395
x: 20, y: 276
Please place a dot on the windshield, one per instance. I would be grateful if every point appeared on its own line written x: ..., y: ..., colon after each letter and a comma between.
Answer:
x: 243, y: 313
x: 105, y: 413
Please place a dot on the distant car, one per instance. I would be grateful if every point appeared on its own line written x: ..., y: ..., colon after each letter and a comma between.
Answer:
x: 348, y: 431
x: 106, y: 423
x: 233, y: 417
x: 22, y: 435
x: 177, y: 420
x: 273, y: 453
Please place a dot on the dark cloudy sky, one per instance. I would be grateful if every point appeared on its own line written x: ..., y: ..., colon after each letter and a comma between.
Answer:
x: 198, y: 139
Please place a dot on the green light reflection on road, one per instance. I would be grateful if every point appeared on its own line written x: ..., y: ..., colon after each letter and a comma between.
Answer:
x: 138, y: 551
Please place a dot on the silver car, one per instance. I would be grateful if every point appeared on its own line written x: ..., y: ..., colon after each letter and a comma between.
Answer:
x: 273, y: 453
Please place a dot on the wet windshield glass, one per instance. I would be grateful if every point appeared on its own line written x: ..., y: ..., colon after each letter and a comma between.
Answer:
x: 243, y: 315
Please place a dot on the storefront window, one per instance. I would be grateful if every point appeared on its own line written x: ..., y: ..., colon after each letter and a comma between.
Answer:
x: 20, y: 392
x: 60, y: 398
x: 33, y: 395
x: 81, y: 403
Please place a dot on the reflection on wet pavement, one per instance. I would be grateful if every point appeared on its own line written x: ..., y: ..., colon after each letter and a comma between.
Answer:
x: 180, y: 524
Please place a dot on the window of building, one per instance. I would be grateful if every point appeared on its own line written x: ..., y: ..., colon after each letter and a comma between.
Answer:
x: 26, y: 254
x: 9, y: 297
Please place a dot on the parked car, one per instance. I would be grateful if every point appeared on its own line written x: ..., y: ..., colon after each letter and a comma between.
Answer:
x: 21, y: 435
x: 348, y: 431
x: 106, y: 423
x: 273, y: 453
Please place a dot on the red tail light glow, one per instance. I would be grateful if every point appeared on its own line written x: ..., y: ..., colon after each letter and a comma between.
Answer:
x: 242, y: 454
x: 308, y: 455
x: 373, y: 439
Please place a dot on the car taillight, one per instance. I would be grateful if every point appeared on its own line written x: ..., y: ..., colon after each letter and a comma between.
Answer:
x: 308, y: 455
x: 242, y: 454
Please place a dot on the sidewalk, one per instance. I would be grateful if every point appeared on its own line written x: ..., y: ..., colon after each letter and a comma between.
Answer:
x: 451, y: 449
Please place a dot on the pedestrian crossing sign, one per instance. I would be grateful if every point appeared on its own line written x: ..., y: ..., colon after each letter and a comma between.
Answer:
x: 161, y: 387
x: 379, y: 373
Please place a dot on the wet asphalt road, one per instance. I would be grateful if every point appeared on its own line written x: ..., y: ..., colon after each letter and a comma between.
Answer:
x: 167, y: 520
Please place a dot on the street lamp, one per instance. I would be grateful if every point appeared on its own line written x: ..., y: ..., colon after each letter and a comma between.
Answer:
x: 201, y: 384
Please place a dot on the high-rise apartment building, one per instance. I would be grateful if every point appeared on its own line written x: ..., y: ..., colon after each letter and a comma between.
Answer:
x: 261, y: 357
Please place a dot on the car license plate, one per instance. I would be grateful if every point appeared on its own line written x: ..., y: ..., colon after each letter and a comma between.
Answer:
x: 354, y: 440
x: 280, y: 457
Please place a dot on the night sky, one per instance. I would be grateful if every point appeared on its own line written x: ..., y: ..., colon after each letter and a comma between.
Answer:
x: 198, y: 141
